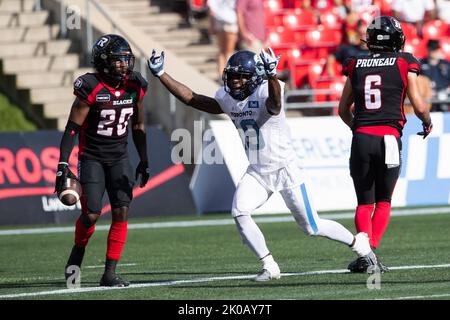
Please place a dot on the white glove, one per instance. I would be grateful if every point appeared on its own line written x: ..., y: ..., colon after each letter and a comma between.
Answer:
x: 156, y: 64
x: 270, y: 61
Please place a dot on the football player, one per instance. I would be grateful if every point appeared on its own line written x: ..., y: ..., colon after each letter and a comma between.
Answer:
x: 256, y: 108
x: 377, y: 85
x: 105, y: 102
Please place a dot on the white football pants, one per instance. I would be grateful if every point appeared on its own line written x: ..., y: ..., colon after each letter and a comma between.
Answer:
x: 251, y: 194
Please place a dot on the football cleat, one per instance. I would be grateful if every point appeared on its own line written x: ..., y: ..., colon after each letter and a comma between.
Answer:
x: 364, y: 264
x: 269, y: 273
x: 113, y: 280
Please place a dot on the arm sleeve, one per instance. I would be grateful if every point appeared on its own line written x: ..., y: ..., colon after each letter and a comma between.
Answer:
x: 413, y: 64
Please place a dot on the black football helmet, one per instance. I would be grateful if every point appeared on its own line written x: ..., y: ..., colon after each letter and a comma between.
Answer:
x: 385, y: 34
x: 244, y: 64
x: 108, y: 49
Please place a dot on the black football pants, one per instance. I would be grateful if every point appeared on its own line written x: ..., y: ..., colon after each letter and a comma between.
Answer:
x: 372, y: 180
x: 95, y: 177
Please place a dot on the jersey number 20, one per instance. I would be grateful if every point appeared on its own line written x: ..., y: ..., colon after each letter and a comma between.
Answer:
x: 372, y: 96
x: 108, y: 116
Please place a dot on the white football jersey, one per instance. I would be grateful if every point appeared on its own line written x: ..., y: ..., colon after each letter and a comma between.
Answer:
x: 266, y: 138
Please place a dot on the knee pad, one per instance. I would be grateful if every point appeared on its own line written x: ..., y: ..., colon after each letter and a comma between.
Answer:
x: 89, y: 219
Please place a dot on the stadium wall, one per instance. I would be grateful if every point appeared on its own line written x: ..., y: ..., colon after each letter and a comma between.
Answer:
x: 28, y: 164
x: 322, y: 145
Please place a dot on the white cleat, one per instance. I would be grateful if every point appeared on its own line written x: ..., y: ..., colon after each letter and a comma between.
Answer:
x: 269, y: 273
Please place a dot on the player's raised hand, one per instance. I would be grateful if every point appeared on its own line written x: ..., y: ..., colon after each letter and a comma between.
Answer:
x: 270, y: 61
x: 143, y: 171
x: 427, y: 128
x: 156, y: 64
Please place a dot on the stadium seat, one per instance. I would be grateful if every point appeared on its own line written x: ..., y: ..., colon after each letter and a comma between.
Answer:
x: 197, y: 5
x: 272, y: 6
x: 299, y: 19
x: 409, y: 30
x: 445, y: 46
x: 330, y: 20
x: 435, y: 29
x: 417, y: 47
x: 305, y: 70
x: 282, y: 36
x: 322, y: 41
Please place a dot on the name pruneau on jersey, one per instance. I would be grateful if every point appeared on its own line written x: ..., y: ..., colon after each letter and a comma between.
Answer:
x: 381, y: 62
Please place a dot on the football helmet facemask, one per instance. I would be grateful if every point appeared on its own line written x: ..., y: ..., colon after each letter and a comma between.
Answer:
x: 385, y: 34
x: 112, y: 57
x: 243, y: 73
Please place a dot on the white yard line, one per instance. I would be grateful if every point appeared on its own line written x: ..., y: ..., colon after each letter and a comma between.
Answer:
x: 200, y: 280
x: 102, y: 266
x: 423, y: 297
x: 219, y: 222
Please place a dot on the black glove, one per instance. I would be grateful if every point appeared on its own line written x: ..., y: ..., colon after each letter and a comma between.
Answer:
x: 143, y: 170
x: 427, y: 128
x: 62, y: 174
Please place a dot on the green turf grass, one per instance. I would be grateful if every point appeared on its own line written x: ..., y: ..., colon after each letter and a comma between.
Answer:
x: 33, y: 263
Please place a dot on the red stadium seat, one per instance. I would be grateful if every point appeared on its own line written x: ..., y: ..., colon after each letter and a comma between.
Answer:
x: 322, y: 37
x: 445, y: 46
x: 273, y: 6
x: 281, y: 36
x: 417, y: 47
x: 330, y: 20
x: 409, y: 30
x: 435, y: 29
x: 299, y: 19
x: 300, y: 70
x: 197, y: 5
x: 288, y: 56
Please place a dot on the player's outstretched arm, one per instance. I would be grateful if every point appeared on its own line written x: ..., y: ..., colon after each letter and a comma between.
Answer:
x: 179, y: 90
x: 345, y: 103
x: 420, y: 109
x: 140, y: 142
x: 78, y: 114
x: 270, y: 61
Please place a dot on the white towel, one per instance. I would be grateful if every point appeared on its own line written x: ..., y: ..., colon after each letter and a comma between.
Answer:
x: 392, y: 158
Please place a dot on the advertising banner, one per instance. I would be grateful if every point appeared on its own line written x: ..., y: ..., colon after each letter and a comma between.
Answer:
x: 28, y: 164
x: 322, y: 145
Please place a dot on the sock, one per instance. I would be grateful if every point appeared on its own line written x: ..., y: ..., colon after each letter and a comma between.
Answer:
x: 116, y: 239
x: 380, y: 221
x: 252, y: 235
x: 110, y: 266
x: 363, y: 219
x: 82, y: 234
x: 267, y: 260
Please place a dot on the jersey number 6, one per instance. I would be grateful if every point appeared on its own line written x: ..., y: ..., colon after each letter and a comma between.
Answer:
x: 372, y: 96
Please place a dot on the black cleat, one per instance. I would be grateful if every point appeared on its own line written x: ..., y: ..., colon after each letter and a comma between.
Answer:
x: 113, y: 280
x: 366, y: 264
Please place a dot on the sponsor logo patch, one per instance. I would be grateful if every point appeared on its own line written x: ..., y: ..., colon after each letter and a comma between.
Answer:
x: 102, y: 97
x: 253, y: 104
x: 78, y: 83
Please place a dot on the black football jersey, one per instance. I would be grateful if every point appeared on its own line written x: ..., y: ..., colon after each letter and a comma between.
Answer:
x: 103, y: 135
x: 379, y: 84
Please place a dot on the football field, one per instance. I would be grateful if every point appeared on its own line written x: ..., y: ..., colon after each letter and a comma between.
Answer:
x: 203, y: 258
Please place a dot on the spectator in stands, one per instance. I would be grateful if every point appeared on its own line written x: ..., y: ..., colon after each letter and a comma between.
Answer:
x: 416, y: 12
x: 437, y: 70
x: 223, y: 22
x: 443, y: 10
x: 352, y: 46
x: 252, y: 32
